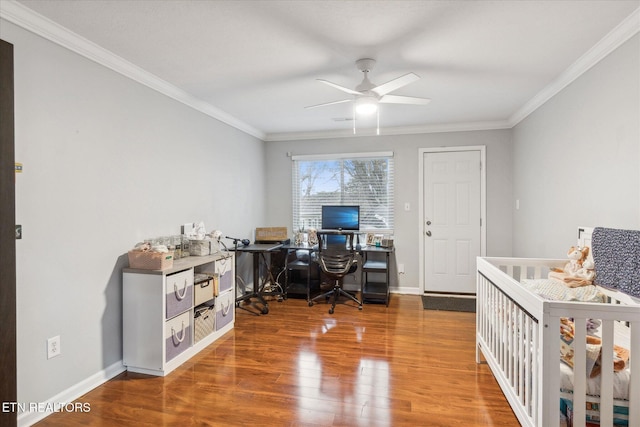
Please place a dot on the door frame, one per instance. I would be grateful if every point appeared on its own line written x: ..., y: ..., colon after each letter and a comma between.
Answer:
x: 8, y: 310
x: 483, y: 201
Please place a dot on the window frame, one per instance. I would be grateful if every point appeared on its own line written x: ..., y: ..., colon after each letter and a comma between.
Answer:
x: 388, y: 156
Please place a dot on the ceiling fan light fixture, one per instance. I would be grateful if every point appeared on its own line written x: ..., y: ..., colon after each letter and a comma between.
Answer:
x: 366, y: 105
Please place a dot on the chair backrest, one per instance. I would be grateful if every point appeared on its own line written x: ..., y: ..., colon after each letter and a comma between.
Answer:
x: 336, y: 253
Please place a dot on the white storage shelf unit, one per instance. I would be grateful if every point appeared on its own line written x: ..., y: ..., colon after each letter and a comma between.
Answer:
x: 159, y: 312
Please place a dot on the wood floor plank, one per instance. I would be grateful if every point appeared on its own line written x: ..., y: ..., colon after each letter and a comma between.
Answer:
x: 299, y: 366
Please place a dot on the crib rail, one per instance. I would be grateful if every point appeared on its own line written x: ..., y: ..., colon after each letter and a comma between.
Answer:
x: 517, y: 332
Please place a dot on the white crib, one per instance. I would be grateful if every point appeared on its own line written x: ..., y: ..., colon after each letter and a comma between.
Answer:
x: 517, y: 332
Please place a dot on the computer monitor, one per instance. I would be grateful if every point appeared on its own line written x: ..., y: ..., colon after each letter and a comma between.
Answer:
x: 341, y: 218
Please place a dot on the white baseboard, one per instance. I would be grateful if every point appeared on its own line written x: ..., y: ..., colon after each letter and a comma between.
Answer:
x: 31, y: 417
x: 406, y: 291
x: 449, y: 295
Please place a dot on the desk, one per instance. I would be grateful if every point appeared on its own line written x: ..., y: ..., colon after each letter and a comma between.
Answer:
x: 299, y: 265
x: 375, y: 290
x: 258, y: 250
x: 371, y: 290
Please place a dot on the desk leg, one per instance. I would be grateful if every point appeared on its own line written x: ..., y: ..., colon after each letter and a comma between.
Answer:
x: 270, y: 279
x: 256, y: 283
x: 388, y: 283
x: 256, y: 289
x: 309, y: 279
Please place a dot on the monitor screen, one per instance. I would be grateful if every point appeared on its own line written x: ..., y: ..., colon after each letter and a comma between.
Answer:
x: 341, y: 217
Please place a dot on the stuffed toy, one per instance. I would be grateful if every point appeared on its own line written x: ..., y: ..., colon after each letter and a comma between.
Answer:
x: 587, y: 271
x: 577, y: 256
x: 578, y: 271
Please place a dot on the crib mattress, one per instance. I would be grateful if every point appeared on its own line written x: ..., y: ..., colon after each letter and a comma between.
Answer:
x: 620, y: 383
x: 621, y: 379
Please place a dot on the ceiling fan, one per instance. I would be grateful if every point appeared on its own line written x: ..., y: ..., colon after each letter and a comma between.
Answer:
x: 367, y: 95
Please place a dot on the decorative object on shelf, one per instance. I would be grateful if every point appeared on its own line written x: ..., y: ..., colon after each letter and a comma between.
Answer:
x: 386, y: 242
x: 313, y: 236
x: 216, y: 243
x: 370, y: 239
x: 271, y: 234
x: 200, y: 247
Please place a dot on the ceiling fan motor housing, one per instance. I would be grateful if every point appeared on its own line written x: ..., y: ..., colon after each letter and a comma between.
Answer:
x: 366, y: 64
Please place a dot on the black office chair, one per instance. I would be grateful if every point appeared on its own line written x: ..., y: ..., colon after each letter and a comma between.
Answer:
x: 337, y: 258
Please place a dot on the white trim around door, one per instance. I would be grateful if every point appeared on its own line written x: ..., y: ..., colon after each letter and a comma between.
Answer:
x: 421, y: 214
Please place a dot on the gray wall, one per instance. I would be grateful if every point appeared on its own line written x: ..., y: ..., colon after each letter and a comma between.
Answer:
x: 406, y: 150
x: 107, y: 163
x: 577, y: 158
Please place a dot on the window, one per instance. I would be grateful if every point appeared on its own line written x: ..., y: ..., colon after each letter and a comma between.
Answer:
x: 347, y: 179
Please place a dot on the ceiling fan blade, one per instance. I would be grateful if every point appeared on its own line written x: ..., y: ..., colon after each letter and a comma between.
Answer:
x: 394, y: 84
x: 397, y: 99
x: 329, y: 103
x: 342, y: 88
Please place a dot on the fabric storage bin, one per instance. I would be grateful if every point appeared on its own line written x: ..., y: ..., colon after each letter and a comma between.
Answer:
x: 204, y: 320
x: 224, y: 268
x: 203, y: 288
x: 225, y: 309
x: 179, y: 292
x: 177, y: 335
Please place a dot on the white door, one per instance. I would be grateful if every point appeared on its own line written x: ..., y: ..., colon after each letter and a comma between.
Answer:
x: 452, y: 215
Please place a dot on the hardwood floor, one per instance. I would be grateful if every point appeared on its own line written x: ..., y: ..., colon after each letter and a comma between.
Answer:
x: 299, y: 366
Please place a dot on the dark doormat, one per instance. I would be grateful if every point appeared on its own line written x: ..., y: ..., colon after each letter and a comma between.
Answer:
x: 449, y: 303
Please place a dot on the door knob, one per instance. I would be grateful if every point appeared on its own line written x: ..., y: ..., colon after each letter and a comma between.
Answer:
x: 428, y: 233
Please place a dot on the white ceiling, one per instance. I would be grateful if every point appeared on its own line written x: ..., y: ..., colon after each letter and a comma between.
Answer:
x: 484, y: 64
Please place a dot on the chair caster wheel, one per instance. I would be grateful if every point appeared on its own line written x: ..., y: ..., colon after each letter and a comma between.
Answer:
x: 265, y: 310
x: 310, y: 303
x: 331, y: 311
x: 360, y: 308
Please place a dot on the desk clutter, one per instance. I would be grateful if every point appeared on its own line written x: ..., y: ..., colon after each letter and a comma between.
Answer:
x: 158, y: 253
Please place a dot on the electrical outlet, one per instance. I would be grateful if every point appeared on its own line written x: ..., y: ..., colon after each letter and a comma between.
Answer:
x: 53, y: 347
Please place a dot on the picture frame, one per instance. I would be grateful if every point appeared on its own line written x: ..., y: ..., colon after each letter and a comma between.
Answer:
x: 370, y: 239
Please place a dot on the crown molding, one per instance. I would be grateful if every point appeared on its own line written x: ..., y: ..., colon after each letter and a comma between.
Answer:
x: 31, y: 21
x: 403, y: 130
x: 610, y: 42
x: 616, y: 37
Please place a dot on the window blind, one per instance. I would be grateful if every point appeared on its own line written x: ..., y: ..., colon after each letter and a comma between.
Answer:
x: 364, y: 179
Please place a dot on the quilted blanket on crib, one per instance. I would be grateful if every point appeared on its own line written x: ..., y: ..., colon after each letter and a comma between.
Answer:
x: 616, y: 255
